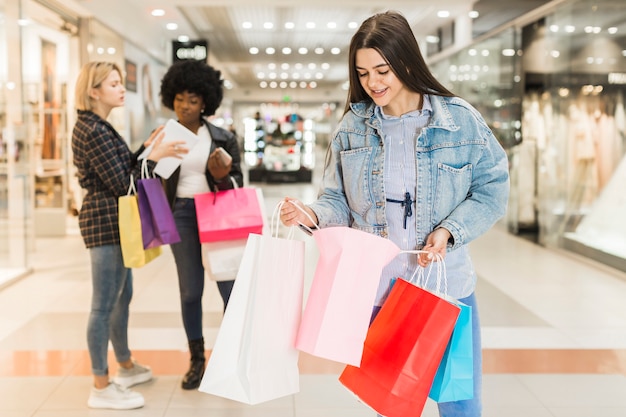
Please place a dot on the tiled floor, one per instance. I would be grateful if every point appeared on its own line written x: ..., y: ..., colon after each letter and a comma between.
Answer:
x: 553, y: 325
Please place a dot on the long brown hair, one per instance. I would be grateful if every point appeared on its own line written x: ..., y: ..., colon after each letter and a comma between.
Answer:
x: 391, y: 36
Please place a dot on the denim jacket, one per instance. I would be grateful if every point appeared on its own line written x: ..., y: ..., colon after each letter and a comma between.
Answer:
x: 462, y: 180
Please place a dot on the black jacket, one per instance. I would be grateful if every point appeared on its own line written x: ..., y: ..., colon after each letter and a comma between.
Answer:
x: 228, y: 141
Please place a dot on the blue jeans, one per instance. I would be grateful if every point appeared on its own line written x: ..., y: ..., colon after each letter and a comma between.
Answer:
x: 112, y: 290
x: 473, y: 407
x: 188, y: 258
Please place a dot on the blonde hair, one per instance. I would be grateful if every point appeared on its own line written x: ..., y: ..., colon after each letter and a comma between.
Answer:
x: 91, y: 76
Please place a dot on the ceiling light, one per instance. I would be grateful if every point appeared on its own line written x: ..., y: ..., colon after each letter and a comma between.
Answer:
x: 432, y: 39
x: 171, y: 26
x: 312, y: 84
x: 554, y: 28
x: 473, y: 14
x: 111, y: 50
x: 246, y: 25
x: 570, y: 28
x: 268, y: 25
x: 353, y: 25
x: 284, y: 66
x: 23, y: 22
x: 290, y: 25
x: 325, y: 65
x: 312, y: 65
x: 286, y: 50
x: 310, y: 25
x: 612, y: 30
x: 508, y: 52
x: 273, y: 84
x: 303, y: 84
x: 254, y: 50
x: 158, y: 12
x: 270, y: 51
x: 319, y: 50
x: 271, y: 66
x: 331, y: 25
x: 443, y: 13
x: 298, y: 66
x: 335, y: 51
x: 263, y: 84
x: 183, y: 38
x: 293, y: 84
x: 303, y: 51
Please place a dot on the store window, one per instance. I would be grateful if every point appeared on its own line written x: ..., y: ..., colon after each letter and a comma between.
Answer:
x: 575, y: 78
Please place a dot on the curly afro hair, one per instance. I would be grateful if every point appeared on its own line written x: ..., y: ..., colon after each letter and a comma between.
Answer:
x: 195, y: 77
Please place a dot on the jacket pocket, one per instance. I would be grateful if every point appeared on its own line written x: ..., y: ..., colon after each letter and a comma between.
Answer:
x: 451, y: 188
x: 355, y: 165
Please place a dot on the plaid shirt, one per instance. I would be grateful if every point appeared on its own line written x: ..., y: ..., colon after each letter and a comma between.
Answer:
x: 104, y: 164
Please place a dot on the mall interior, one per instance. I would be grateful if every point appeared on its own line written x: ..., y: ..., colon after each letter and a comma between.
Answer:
x: 550, y: 82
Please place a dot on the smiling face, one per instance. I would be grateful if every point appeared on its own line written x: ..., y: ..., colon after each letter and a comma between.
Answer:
x: 381, y: 84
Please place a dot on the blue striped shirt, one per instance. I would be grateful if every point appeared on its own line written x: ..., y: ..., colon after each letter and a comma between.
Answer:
x: 400, y: 136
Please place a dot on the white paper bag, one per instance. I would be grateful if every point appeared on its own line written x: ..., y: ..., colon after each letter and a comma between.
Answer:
x: 221, y: 259
x: 254, y: 358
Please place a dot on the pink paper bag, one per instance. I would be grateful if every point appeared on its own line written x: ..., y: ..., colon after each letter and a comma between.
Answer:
x: 339, y: 306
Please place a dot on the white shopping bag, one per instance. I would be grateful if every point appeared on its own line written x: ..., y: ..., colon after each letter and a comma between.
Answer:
x: 254, y: 358
x: 221, y: 259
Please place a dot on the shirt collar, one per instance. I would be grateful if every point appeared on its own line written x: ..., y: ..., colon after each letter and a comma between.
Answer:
x: 427, y: 110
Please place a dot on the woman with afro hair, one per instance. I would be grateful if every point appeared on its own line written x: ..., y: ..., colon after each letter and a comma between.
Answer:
x: 194, y: 91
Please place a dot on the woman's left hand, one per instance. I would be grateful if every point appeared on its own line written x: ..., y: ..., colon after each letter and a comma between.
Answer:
x: 153, y: 136
x: 218, y: 166
x: 436, y: 244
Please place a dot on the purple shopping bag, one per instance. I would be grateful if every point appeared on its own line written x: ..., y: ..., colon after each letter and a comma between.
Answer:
x: 157, y: 221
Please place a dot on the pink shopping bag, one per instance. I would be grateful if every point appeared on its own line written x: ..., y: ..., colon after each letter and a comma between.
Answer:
x: 339, y: 305
x: 228, y: 214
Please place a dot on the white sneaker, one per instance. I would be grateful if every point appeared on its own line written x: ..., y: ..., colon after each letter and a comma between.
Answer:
x: 115, y: 397
x: 138, y: 374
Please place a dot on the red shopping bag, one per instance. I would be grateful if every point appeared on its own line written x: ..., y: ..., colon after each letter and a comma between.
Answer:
x: 339, y: 306
x: 402, y: 351
x: 228, y: 214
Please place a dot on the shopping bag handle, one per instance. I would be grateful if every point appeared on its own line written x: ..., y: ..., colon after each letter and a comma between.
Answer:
x: 131, y: 187
x: 419, y: 277
x: 145, y: 172
x: 306, y: 229
x: 235, y: 186
x: 276, y: 221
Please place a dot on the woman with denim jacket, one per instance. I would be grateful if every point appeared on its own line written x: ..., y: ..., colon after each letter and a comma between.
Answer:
x: 194, y: 90
x: 413, y: 163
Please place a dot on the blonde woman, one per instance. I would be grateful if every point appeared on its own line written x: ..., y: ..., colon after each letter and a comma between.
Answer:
x: 104, y: 166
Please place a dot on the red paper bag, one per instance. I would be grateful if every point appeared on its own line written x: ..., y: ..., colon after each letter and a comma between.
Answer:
x: 402, y: 352
x: 228, y: 214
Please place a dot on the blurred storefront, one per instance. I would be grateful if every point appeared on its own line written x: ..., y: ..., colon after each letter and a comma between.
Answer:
x: 552, y: 86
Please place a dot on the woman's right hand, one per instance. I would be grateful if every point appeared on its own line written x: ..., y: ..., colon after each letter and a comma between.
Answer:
x: 290, y: 215
x: 162, y: 149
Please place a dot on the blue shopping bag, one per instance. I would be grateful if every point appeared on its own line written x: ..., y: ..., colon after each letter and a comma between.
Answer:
x: 454, y: 380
